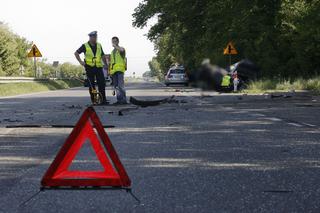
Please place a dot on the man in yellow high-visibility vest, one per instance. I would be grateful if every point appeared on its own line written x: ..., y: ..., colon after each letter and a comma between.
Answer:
x: 118, y: 66
x: 94, y: 62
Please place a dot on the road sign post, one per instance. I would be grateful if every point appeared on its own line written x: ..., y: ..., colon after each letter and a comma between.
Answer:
x: 35, y: 66
x: 56, y: 65
x: 230, y: 50
x: 35, y: 53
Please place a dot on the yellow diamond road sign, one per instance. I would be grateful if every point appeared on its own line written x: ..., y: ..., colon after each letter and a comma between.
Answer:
x: 230, y: 49
x: 34, y: 52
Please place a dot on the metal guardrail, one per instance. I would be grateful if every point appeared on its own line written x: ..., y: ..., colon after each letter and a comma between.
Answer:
x: 15, y: 79
x: 4, y: 80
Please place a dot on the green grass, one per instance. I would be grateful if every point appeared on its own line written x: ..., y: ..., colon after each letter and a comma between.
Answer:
x: 133, y: 80
x: 275, y: 86
x: 9, y: 89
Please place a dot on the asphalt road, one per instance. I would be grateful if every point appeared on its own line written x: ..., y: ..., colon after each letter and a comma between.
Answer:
x: 204, y: 152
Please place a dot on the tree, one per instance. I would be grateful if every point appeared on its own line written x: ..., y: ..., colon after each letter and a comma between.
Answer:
x: 281, y: 36
x: 13, y: 57
x: 23, y: 47
x: 69, y: 70
x: 13, y: 52
x: 147, y: 74
x: 9, y: 61
x: 155, y: 70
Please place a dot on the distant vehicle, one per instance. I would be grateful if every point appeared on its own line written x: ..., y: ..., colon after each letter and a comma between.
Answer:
x: 177, y: 75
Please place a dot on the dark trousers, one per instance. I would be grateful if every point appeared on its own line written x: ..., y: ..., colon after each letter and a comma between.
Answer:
x: 96, y: 74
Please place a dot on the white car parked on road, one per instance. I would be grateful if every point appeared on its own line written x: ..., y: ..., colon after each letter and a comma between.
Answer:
x: 176, y: 75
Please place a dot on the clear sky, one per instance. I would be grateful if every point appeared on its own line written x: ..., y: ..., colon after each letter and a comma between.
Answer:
x: 59, y: 27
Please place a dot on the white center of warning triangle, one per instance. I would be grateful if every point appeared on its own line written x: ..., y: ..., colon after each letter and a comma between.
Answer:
x: 86, y: 159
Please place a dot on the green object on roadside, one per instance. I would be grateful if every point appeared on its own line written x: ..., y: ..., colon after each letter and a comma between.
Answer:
x: 226, y: 81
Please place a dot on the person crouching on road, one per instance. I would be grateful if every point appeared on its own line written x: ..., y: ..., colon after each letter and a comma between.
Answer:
x: 118, y: 66
x: 94, y: 62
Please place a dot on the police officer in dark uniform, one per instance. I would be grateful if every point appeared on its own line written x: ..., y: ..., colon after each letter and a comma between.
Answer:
x: 94, y: 62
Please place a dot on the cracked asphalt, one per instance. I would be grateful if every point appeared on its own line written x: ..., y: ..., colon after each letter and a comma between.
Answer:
x: 205, y: 152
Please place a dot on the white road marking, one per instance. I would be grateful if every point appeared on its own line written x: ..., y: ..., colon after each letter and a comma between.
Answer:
x: 259, y: 115
x: 273, y: 119
x: 310, y: 125
x: 279, y: 119
x: 295, y: 124
x: 4, y: 131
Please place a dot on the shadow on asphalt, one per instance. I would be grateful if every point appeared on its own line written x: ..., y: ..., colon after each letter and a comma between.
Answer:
x: 231, y: 153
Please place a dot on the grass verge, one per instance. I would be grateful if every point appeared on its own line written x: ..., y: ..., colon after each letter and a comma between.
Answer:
x: 9, y: 89
x: 275, y: 86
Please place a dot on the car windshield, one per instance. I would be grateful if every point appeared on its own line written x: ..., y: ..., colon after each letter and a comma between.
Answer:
x: 177, y: 71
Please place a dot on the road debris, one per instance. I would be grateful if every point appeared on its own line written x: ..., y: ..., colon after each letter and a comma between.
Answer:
x: 121, y: 112
x: 144, y: 103
x: 174, y: 124
x: 276, y: 96
x: 183, y: 102
x: 280, y: 96
x: 72, y: 106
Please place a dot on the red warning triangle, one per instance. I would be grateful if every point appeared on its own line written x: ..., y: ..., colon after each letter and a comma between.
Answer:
x: 113, y: 173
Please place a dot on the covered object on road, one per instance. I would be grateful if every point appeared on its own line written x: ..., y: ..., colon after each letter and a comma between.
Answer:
x: 209, y: 77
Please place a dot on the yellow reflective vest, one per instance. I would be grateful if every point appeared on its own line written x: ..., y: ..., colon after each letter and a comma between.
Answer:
x: 91, y: 59
x: 118, y: 63
x: 226, y: 81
